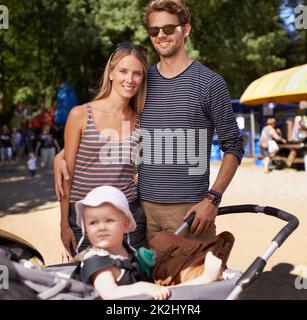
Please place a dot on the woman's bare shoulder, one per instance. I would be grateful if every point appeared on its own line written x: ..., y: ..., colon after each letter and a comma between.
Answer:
x: 77, y: 117
x: 79, y: 112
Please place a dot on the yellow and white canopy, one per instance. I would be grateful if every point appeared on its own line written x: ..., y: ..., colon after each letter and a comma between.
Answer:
x: 284, y: 86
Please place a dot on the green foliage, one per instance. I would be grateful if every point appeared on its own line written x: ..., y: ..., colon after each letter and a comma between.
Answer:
x: 50, y: 42
x: 261, y: 51
x: 24, y: 95
x: 239, y: 39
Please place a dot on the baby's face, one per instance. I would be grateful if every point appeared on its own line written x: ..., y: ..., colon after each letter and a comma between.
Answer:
x: 105, y: 226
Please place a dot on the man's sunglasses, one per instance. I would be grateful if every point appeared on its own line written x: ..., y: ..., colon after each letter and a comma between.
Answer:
x: 129, y: 46
x: 167, y: 29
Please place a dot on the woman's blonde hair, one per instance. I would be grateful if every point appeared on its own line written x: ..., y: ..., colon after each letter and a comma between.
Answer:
x: 123, y: 50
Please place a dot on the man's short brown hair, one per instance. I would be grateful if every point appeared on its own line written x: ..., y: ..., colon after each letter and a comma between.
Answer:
x: 176, y: 7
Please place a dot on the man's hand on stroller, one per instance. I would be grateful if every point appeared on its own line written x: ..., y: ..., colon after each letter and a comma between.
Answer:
x: 60, y: 171
x: 205, y: 214
x: 68, y: 240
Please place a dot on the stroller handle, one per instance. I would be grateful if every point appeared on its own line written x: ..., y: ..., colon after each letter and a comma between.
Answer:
x: 189, y: 220
x: 283, y: 234
x: 255, y: 269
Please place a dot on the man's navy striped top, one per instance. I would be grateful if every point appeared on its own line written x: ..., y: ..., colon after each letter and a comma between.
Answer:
x: 178, y: 123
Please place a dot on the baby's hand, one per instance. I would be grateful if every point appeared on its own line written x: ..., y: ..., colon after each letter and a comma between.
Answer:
x: 213, y: 267
x: 154, y: 290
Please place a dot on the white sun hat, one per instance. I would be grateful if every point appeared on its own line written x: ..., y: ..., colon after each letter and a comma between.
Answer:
x: 98, y: 196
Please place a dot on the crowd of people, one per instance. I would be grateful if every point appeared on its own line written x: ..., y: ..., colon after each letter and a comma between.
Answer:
x: 33, y: 146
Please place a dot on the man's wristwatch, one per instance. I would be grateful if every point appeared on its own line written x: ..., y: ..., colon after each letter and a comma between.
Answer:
x: 214, y: 197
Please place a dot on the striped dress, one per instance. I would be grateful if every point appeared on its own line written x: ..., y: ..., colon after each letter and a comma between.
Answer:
x: 104, y: 161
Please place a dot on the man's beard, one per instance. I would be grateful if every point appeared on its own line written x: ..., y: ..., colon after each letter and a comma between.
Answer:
x: 169, y: 52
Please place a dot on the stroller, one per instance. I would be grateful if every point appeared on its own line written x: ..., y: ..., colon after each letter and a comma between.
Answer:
x: 54, y: 283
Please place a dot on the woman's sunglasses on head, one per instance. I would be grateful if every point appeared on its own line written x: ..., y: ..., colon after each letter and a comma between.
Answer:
x: 129, y: 46
x: 168, y: 29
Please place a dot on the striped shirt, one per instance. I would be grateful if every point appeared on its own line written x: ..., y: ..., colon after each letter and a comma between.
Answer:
x: 101, y: 161
x: 185, y: 109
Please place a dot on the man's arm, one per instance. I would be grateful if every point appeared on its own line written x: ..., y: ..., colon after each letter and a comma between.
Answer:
x: 227, y: 170
x: 205, y: 211
x: 218, y: 106
x: 60, y: 172
x: 229, y: 136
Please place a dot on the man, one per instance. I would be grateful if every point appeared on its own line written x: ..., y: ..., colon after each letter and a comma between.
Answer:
x: 185, y: 101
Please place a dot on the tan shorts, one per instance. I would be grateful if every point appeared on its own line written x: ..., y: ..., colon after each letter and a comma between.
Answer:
x: 169, y: 216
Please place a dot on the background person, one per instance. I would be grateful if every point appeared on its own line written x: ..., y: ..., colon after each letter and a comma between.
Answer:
x: 48, y: 147
x: 269, y: 133
x: 32, y: 164
x: 6, y: 147
x: 18, y: 143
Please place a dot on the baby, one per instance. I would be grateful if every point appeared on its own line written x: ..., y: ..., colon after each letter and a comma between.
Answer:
x: 110, y: 263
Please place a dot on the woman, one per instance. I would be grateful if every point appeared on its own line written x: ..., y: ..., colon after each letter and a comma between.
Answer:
x: 269, y: 133
x: 101, y: 139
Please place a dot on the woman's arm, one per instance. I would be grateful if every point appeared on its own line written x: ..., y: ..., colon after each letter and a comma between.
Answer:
x: 73, y: 129
x: 105, y: 284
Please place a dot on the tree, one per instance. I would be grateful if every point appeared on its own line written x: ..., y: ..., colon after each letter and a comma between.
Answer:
x: 52, y: 42
x: 241, y: 40
x: 296, y: 52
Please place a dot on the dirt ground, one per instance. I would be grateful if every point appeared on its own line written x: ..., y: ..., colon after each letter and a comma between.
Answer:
x: 28, y: 208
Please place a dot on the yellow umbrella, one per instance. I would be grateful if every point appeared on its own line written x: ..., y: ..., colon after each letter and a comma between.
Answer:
x: 284, y: 86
